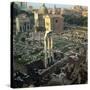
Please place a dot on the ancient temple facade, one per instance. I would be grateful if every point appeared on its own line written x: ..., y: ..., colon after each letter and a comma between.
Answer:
x: 24, y: 22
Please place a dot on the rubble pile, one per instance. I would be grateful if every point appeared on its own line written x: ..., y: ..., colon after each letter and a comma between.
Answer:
x: 25, y: 51
x: 29, y: 52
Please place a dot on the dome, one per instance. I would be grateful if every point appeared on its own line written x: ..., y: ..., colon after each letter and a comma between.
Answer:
x: 43, y: 9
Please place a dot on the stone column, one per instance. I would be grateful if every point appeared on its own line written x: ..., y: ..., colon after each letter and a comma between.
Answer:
x: 21, y: 28
x: 45, y: 50
x: 17, y: 25
x: 48, y: 48
x: 26, y: 27
x: 52, y: 49
x: 29, y: 26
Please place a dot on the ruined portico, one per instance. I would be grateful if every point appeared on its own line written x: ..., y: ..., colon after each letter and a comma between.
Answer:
x: 48, y: 48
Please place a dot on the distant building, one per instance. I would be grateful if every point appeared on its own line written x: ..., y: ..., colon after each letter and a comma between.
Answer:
x: 85, y: 13
x: 81, y: 9
x: 54, y: 23
x: 56, y: 10
x: 25, y: 19
x: 48, y: 21
x: 71, y: 12
x: 22, y: 5
x: 50, y: 10
x: 43, y: 10
x: 76, y: 10
x: 39, y: 18
x: 30, y: 8
x: 24, y: 22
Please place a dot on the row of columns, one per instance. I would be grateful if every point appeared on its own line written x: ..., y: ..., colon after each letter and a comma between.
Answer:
x: 22, y: 26
x: 48, y: 49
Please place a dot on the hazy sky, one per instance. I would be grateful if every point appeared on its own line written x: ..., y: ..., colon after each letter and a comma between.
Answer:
x: 37, y: 5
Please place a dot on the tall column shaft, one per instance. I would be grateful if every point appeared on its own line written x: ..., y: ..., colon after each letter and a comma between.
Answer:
x: 17, y: 25
x: 45, y: 50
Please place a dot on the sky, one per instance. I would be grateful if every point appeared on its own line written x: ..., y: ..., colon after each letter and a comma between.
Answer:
x: 37, y: 5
